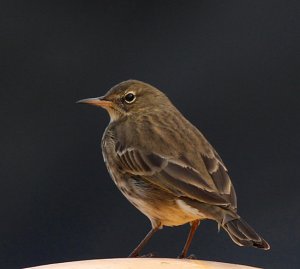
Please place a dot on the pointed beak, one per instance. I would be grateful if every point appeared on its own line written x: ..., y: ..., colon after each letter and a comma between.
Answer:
x: 98, y: 101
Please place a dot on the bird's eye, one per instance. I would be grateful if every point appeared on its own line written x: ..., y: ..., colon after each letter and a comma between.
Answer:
x: 129, y: 98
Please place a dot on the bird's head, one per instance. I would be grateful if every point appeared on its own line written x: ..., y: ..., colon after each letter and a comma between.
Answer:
x: 128, y: 98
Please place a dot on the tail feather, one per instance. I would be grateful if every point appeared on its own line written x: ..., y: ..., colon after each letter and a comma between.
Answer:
x: 243, y: 235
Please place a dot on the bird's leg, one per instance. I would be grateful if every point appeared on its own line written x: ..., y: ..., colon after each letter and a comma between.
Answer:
x: 194, y: 226
x: 138, y: 249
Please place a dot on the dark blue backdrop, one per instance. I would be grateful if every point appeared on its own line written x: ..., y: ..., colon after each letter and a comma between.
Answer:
x: 231, y: 67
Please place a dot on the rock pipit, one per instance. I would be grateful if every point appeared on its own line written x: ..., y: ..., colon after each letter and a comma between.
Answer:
x: 165, y: 167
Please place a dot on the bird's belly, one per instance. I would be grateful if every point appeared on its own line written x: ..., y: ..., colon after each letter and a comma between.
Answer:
x: 162, y: 208
x: 164, y: 214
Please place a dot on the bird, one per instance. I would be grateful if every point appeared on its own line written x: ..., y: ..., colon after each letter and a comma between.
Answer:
x: 165, y: 166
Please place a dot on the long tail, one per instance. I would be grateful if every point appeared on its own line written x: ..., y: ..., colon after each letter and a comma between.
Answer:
x: 243, y: 235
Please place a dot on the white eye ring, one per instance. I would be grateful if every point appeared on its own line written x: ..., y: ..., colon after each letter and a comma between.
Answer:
x: 129, y: 97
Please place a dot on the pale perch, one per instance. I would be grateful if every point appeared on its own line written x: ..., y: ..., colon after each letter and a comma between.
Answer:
x: 143, y: 263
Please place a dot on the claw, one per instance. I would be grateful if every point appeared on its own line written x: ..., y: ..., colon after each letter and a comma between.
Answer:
x: 149, y: 255
x: 191, y: 257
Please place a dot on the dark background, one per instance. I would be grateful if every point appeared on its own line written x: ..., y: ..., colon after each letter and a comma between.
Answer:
x: 231, y: 67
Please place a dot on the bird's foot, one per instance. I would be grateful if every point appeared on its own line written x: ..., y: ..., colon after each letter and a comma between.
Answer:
x: 191, y: 257
x: 148, y: 255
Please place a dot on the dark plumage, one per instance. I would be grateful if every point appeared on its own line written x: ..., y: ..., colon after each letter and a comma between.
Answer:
x: 164, y: 165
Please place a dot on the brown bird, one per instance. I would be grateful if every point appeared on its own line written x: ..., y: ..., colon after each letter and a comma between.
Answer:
x: 165, y: 167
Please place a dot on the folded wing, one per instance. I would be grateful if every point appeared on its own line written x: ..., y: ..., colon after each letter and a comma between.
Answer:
x: 179, y: 178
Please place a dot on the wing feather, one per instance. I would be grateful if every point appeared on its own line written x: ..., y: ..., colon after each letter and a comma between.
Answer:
x: 177, y: 177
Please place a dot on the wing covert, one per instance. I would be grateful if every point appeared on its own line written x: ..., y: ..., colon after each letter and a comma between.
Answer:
x: 173, y: 176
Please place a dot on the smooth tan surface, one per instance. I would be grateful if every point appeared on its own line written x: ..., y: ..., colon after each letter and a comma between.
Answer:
x: 142, y: 263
